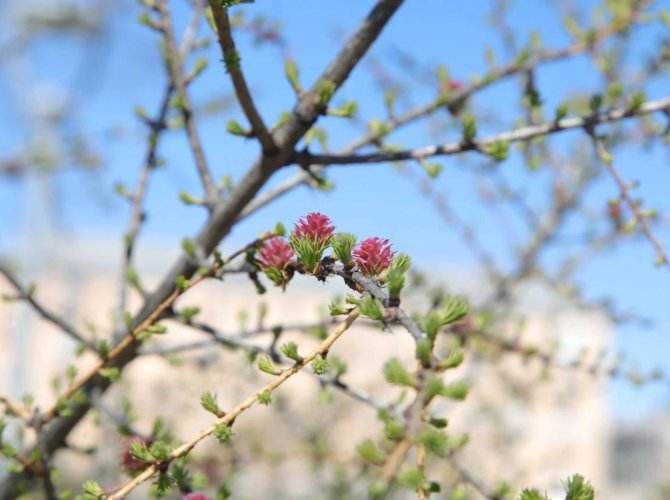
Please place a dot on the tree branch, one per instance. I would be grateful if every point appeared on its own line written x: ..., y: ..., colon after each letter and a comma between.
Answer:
x: 521, y: 134
x: 61, y: 323
x: 244, y: 98
x: 230, y: 416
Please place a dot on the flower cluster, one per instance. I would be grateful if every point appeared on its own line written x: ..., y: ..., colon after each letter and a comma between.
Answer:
x: 310, y: 238
x: 373, y: 255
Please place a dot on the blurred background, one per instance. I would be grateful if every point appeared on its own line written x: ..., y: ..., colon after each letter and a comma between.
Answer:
x: 539, y: 243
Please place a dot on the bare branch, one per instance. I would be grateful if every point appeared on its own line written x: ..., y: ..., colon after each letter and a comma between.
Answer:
x: 230, y: 416
x: 54, y: 319
x: 174, y: 62
x: 242, y: 92
x: 521, y: 134
x: 606, y: 158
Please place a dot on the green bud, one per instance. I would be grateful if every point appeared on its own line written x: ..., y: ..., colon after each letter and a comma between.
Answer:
x: 369, y: 452
x: 264, y: 398
x: 290, y: 350
x: 223, y: 433
x: 209, y: 403
x: 396, y: 374
x: 266, y: 365
x: 469, y: 126
x: 342, y: 244
x: 233, y: 127
x: 292, y: 75
x: 320, y: 366
x: 325, y: 91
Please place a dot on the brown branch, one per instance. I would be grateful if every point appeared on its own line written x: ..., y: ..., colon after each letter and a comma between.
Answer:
x: 520, y: 134
x: 61, y: 323
x: 242, y: 92
x: 174, y: 62
x: 226, y: 212
x: 606, y: 158
x: 394, y: 123
x: 230, y: 416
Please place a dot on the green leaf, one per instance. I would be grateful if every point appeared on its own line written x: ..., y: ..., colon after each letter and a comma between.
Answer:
x: 455, y: 310
x: 231, y: 59
x: 112, y: 373
x: 233, y: 127
x: 453, y: 360
x: 209, y: 403
x: 369, y: 452
x: 188, y: 313
x: 290, y: 350
x: 264, y: 398
x: 223, y: 433
x: 411, y: 478
x: 292, y: 75
x: 160, y: 451
x: 342, y: 244
x: 457, y: 390
x: 533, y: 494
x: 578, y: 488
x: 396, y: 374
x: 266, y: 365
x: 325, y: 90
x: 320, y: 366
x: 393, y: 430
x: 189, y: 247
x: 92, y: 488
x: 469, y: 126
x: 434, y: 440
x: 371, y: 308
x: 138, y: 450
x: 348, y: 110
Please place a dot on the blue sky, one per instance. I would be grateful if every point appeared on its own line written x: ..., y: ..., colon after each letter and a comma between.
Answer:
x: 106, y: 84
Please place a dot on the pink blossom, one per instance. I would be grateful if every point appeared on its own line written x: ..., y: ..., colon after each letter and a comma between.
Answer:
x: 372, y: 255
x: 195, y: 495
x: 275, y: 254
x: 455, y: 85
x: 316, y: 227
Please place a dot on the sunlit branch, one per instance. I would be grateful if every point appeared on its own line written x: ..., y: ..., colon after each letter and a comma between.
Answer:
x: 174, y: 61
x: 517, y: 135
x: 232, y: 415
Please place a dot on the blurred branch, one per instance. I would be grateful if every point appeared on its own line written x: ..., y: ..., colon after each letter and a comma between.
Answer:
x: 520, y: 134
x: 242, y: 92
x: 229, y: 418
x: 174, y: 63
x: 641, y: 219
x: 62, y: 324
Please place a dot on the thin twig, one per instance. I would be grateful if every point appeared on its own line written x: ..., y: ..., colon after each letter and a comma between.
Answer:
x: 230, y: 416
x: 61, y: 323
x: 606, y: 158
x: 520, y: 134
x: 174, y: 62
x: 242, y: 92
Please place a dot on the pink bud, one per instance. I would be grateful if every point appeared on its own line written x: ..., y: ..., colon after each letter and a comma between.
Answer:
x: 315, y: 226
x: 274, y: 254
x: 372, y: 255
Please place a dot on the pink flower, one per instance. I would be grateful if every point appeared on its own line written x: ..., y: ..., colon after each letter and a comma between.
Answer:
x: 129, y: 463
x: 455, y: 85
x: 195, y: 495
x: 274, y: 254
x: 373, y: 255
x: 315, y: 227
